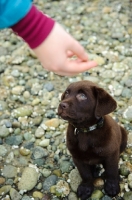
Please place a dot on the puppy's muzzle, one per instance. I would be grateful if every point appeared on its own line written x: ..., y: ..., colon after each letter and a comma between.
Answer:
x: 64, y: 105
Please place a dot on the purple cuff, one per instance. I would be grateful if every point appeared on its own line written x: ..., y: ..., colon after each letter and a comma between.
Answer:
x: 34, y: 27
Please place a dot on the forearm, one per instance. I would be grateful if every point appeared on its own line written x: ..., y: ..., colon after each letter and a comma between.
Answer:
x: 34, y: 27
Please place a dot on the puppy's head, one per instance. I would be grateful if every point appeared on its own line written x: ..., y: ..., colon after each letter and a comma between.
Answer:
x: 83, y: 101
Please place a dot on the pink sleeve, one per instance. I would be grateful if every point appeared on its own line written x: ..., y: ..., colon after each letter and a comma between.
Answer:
x: 34, y: 27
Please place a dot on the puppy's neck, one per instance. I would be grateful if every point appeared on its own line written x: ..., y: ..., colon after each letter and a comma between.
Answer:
x: 85, y: 127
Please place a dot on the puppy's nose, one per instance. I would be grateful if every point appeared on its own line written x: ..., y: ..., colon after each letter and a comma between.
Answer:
x: 64, y: 105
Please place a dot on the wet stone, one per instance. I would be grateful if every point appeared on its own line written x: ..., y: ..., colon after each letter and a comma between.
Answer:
x: 39, y: 152
x: 49, y: 181
x: 14, y: 140
x: 9, y: 171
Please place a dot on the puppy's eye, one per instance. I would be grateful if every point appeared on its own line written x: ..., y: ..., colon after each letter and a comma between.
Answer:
x: 81, y: 96
x: 66, y: 93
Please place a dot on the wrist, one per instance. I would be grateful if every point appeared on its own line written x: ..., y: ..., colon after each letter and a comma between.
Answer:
x: 34, y: 27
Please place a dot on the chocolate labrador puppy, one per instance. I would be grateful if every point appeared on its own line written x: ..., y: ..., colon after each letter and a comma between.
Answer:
x: 93, y: 137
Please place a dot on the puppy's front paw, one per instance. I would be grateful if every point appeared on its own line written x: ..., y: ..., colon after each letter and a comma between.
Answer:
x: 112, y: 188
x: 85, y: 190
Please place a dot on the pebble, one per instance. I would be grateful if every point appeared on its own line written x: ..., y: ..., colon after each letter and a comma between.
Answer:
x: 14, y: 194
x: 22, y: 111
x: 3, y: 105
x: 98, y: 182
x: 44, y: 143
x: 4, y: 132
x: 128, y: 195
x: 9, y: 171
x: 4, y: 190
x: 14, y: 140
x: 29, y: 179
x: 75, y: 179
x: 128, y: 113
x: 17, y: 90
x: 52, y: 123
x: 62, y: 189
x: 72, y: 196
x: 26, y: 94
x: 25, y: 197
x: 37, y: 194
x: 39, y: 132
x: 39, y: 152
x: 97, y: 194
x: 3, y: 150
x: 24, y: 151
x: 49, y: 181
x: 130, y: 180
x: 2, y: 180
x: 65, y: 166
x: 49, y: 86
x: 46, y: 172
x: 57, y: 172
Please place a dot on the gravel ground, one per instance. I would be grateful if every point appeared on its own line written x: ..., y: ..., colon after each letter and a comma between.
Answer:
x: 35, y: 163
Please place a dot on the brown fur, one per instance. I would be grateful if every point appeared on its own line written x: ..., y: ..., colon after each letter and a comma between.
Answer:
x: 82, y: 104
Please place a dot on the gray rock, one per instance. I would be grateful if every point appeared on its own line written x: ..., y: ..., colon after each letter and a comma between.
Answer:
x: 39, y: 152
x: 36, y: 87
x: 3, y: 105
x: 128, y: 195
x: 15, y: 73
x: 27, y: 136
x: 3, y: 150
x: 49, y: 86
x: 128, y: 113
x: 127, y: 92
x: 46, y: 172
x: 8, y: 124
x: 72, y: 196
x: 4, y: 132
x: 51, y: 180
x: 106, y: 198
x: 14, y: 194
x: 14, y: 140
x: 91, y: 78
x: 9, y: 171
x: 25, y: 197
x: 39, y: 162
x: 65, y: 166
x: 75, y: 179
x: 9, y: 181
x: 108, y: 74
x: 3, y: 51
x: 50, y: 114
x: 130, y: 180
x: 39, y: 132
x: 4, y: 190
x: 128, y: 82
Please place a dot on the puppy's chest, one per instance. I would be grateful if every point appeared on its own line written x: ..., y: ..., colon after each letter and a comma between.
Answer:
x: 86, y: 144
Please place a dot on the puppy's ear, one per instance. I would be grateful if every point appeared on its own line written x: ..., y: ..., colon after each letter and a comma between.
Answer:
x: 105, y: 104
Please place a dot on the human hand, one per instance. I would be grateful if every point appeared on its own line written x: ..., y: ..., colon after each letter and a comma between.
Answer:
x: 56, y: 51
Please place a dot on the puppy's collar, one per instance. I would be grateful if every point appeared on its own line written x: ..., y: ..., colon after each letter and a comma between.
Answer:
x: 91, y: 128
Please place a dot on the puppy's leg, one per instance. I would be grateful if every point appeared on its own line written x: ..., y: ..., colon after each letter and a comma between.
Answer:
x: 86, y: 188
x: 112, y: 187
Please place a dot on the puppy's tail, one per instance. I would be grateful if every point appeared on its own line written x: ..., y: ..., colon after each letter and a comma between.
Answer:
x: 124, y: 139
